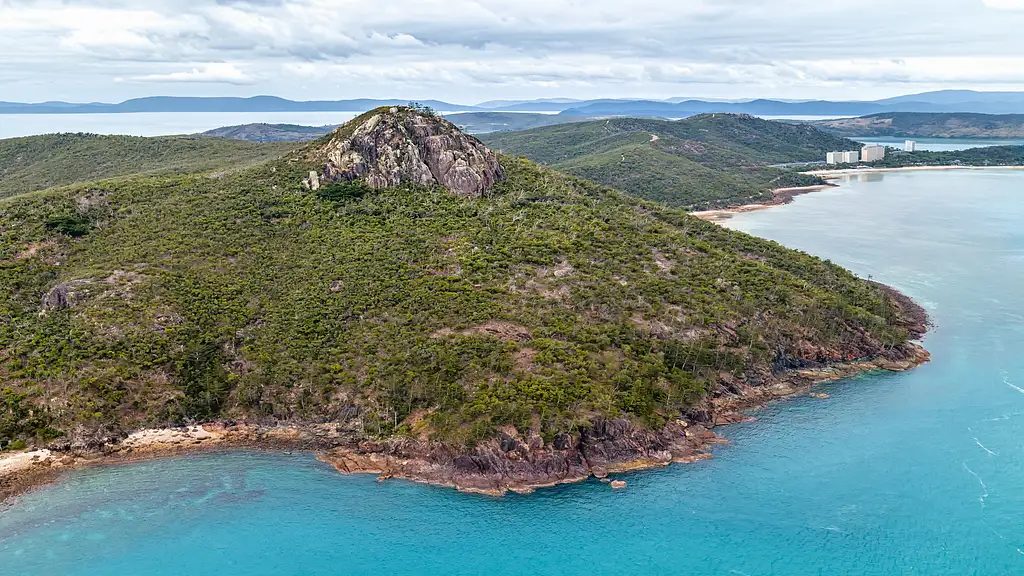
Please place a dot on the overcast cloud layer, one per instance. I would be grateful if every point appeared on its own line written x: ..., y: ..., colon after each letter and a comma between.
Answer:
x: 470, y: 50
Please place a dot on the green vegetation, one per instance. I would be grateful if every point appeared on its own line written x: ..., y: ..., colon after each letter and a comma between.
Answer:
x: 407, y: 310
x: 928, y: 125
x: 987, y: 156
x: 706, y: 161
x: 40, y: 162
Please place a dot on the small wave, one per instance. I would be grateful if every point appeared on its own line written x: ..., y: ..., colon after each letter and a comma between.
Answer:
x: 984, y: 489
x: 978, y: 442
x: 1003, y: 417
x: 1012, y: 385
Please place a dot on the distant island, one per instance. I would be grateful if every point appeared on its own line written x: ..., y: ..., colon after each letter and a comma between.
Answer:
x: 270, y: 132
x: 928, y: 125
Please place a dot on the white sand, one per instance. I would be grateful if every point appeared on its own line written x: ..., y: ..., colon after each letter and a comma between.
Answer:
x: 16, y: 462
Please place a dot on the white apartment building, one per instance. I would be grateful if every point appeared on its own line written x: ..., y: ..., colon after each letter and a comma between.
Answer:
x: 910, y: 146
x: 872, y: 153
x: 849, y: 157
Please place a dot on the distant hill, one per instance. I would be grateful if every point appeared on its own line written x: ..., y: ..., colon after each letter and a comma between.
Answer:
x: 946, y: 101
x: 949, y: 97
x: 39, y: 162
x: 694, y: 107
x: 942, y: 101
x: 270, y: 132
x: 929, y: 125
x: 706, y: 161
x: 481, y: 122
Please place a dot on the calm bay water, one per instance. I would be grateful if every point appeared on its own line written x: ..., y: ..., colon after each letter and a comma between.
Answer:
x: 895, y: 474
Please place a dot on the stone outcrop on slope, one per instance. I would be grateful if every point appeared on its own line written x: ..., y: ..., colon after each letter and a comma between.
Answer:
x: 392, y: 146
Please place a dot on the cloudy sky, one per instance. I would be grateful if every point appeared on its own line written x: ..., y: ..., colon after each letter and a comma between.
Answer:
x: 471, y: 50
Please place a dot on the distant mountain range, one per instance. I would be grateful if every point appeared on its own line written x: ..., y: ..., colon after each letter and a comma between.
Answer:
x: 941, y: 101
x: 199, y: 104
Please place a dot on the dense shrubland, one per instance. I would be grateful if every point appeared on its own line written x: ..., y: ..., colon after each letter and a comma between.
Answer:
x: 157, y: 300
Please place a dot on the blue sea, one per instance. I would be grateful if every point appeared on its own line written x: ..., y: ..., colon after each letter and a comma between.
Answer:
x: 917, y: 473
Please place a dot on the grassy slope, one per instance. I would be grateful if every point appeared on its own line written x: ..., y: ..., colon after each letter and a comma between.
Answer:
x: 245, y: 296
x: 40, y: 162
x: 701, y: 162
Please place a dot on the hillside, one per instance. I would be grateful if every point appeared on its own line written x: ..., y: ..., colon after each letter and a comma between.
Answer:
x: 39, y: 162
x: 270, y: 132
x: 536, y: 316
x: 707, y: 161
x: 483, y: 122
x: 923, y: 125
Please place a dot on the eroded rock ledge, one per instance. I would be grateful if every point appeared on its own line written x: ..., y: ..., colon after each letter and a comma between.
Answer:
x: 510, y: 462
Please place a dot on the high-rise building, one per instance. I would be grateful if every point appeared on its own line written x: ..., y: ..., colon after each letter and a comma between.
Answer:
x: 910, y: 146
x: 872, y: 153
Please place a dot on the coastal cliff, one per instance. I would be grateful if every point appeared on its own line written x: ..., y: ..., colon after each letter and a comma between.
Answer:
x: 509, y: 462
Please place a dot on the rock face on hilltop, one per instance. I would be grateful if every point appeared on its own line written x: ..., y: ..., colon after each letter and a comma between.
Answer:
x: 391, y: 146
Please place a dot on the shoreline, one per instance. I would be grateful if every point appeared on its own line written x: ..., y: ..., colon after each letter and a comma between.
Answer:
x: 839, y: 173
x: 784, y: 196
x: 780, y: 196
x: 511, y: 462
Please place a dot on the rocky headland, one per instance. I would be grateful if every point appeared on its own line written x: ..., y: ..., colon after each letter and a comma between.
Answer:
x: 400, y: 300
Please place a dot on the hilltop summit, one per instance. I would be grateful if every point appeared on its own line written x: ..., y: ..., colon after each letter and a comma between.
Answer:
x: 389, y: 146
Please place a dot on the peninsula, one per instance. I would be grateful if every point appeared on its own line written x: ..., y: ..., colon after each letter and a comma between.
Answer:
x: 406, y: 301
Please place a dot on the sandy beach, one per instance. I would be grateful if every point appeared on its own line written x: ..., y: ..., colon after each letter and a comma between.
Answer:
x: 780, y: 196
x: 855, y: 171
x: 785, y: 195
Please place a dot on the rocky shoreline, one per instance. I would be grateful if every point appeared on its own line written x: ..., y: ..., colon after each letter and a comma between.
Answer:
x: 510, y: 462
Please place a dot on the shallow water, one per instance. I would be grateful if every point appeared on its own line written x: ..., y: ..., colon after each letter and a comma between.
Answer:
x: 895, y: 474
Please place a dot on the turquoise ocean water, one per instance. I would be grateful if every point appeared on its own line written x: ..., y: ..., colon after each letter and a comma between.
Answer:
x: 895, y: 474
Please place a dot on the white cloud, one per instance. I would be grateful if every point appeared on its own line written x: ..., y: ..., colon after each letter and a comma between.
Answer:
x: 458, y: 49
x: 212, y: 73
x: 1004, y: 4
